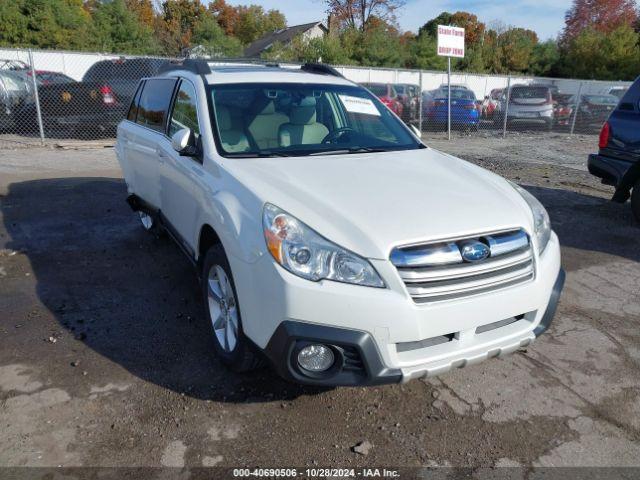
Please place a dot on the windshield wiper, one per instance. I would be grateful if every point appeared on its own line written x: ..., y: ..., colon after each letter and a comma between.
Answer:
x: 343, y: 151
x: 261, y: 154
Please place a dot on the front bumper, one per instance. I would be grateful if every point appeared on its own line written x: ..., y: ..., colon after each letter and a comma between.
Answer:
x: 358, y: 360
x: 271, y: 297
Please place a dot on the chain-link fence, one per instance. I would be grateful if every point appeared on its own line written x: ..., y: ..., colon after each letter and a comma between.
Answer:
x: 492, y: 105
x: 52, y: 96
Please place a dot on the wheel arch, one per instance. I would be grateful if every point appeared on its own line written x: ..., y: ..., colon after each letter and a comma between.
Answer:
x: 207, y: 238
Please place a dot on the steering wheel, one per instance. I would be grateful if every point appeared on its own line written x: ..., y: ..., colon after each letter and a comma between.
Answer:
x: 337, y: 133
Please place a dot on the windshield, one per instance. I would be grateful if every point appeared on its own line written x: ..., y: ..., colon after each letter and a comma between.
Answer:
x: 456, y: 94
x: 618, y: 92
x: 283, y: 119
x: 601, y: 100
x: 529, y: 92
x: 378, y: 89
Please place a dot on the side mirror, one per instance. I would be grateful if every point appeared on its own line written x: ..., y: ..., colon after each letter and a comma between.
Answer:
x: 182, y: 142
x: 416, y: 131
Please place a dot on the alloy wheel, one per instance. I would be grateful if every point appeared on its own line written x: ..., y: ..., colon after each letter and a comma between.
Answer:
x: 223, y: 310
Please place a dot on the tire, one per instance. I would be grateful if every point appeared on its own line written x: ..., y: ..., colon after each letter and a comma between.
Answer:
x: 222, y: 311
x: 635, y: 201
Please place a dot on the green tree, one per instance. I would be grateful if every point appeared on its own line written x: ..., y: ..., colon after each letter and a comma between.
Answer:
x: 208, y: 33
x: 53, y: 23
x: 431, y: 27
x: 606, y: 56
x: 515, y: 49
x: 117, y: 29
x: 176, y: 24
x: 545, y: 59
x: 253, y: 22
x: 14, y: 23
x: 423, y: 54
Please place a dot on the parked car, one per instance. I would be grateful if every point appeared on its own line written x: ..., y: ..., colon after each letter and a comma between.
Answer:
x: 100, y: 100
x: 16, y: 94
x: 563, y: 106
x: 45, y: 77
x: 465, y: 113
x: 554, y: 89
x: 308, y: 251
x: 594, y: 111
x: 528, y: 106
x: 617, y: 91
x: 618, y: 161
x: 409, y: 96
x: 427, y: 103
x: 388, y: 95
x: 491, y: 102
x: 454, y: 86
x: 9, y: 64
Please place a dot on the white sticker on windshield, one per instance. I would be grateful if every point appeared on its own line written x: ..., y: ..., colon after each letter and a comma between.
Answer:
x: 359, y: 105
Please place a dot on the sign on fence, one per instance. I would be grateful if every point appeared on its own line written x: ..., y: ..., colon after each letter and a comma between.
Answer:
x: 450, y: 41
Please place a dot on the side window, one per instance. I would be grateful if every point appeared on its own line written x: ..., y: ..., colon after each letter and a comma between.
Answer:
x: 154, y: 103
x: 133, y: 109
x: 185, y: 113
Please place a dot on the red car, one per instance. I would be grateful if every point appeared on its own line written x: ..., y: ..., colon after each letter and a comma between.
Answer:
x: 491, y: 102
x: 387, y: 95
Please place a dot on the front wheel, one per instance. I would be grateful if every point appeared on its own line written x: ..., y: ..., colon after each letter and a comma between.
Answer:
x: 635, y: 201
x: 223, y: 313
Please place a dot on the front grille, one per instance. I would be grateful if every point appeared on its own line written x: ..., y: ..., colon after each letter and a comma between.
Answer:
x: 451, y: 269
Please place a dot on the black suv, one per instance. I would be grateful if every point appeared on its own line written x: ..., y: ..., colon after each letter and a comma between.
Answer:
x: 98, y: 102
x: 618, y: 161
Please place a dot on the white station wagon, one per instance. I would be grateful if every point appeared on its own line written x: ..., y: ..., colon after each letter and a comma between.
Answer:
x: 329, y: 239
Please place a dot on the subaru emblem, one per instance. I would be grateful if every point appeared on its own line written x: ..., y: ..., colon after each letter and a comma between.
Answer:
x: 474, y: 251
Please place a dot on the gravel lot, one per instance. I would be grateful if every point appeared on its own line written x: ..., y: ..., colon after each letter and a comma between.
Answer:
x: 104, y: 360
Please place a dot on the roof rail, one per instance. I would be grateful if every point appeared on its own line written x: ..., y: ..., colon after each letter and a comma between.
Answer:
x: 321, y: 69
x: 199, y: 67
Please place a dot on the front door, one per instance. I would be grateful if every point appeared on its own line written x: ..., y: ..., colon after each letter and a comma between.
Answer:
x: 181, y: 177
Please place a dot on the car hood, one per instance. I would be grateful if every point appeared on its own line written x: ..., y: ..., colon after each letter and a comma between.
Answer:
x: 369, y: 203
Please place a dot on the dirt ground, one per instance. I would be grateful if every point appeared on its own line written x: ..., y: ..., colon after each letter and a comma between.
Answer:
x: 105, y: 361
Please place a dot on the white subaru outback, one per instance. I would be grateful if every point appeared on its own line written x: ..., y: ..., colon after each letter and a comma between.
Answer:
x: 329, y: 239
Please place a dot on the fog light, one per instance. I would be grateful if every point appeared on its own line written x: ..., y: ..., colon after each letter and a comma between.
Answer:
x: 315, y: 358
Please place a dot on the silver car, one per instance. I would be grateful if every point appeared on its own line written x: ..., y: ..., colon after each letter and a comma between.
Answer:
x: 528, y: 105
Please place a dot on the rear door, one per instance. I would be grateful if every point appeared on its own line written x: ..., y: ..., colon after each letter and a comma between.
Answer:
x: 624, y: 123
x: 145, y: 136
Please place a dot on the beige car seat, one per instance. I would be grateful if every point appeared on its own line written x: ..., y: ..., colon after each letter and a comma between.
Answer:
x: 264, y: 126
x: 302, y: 129
x: 233, y: 140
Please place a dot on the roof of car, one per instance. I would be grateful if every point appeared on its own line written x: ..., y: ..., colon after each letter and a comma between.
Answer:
x: 267, y: 74
x: 224, y: 73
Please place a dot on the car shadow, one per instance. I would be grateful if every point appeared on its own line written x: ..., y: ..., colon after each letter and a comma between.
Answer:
x: 128, y: 295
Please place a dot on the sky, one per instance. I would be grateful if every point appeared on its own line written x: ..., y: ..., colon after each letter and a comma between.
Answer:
x: 545, y: 17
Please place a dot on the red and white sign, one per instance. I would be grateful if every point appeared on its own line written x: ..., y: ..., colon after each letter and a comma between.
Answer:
x: 450, y: 41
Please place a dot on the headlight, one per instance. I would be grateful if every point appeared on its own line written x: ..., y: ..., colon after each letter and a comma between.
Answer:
x: 303, y: 252
x: 541, y: 222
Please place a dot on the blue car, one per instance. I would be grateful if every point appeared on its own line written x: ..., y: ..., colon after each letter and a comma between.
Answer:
x: 617, y: 162
x: 465, y: 113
